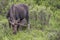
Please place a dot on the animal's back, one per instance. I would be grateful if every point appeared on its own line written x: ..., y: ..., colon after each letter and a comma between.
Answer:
x: 20, y: 11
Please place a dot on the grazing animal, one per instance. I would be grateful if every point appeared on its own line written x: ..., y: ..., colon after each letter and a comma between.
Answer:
x: 16, y: 14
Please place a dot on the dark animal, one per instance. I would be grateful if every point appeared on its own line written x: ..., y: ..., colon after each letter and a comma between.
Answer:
x: 16, y: 14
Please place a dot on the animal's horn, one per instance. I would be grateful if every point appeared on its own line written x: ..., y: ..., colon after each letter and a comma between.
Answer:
x: 12, y: 23
x: 18, y: 20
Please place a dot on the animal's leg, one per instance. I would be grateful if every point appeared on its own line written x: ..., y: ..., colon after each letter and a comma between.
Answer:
x: 27, y: 19
x: 17, y: 27
x: 9, y: 19
x: 20, y: 28
x: 9, y: 25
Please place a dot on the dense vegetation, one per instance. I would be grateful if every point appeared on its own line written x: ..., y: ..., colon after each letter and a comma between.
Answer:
x: 44, y: 20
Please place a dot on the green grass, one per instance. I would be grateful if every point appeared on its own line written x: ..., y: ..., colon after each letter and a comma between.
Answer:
x: 37, y: 32
x: 26, y: 35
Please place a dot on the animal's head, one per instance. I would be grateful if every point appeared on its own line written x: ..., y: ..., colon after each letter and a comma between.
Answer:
x: 15, y: 24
